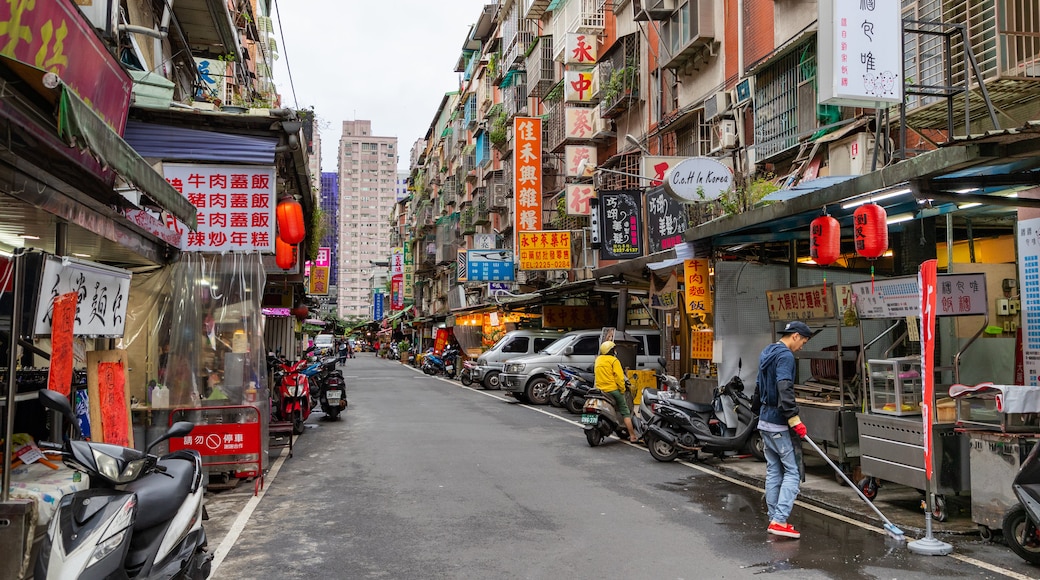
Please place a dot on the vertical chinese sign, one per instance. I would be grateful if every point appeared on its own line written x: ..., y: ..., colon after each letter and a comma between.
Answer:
x: 234, y: 203
x: 698, y: 300
x: 62, y: 322
x: 621, y: 224
x: 1029, y: 283
x: 578, y: 196
x: 860, y: 53
x: 397, y: 278
x: 377, y: 306
x: 319, y: 276
x: 527, y: 173
x: 666, y: 220
x: 408, y: 285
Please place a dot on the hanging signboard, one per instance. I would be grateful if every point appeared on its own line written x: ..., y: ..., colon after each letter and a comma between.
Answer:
x: 318, y: 281
x: 806, y: 303
x: 581, y: 160
x: 102, y: 291
x: 545, y: 250
x: 490, y: 265
x: 572, y: 317
x: 484, y: 242
x: 461, y: 266
x: 698, y: 179
x: 860, y: 53
x: 580, y: 85
x: 664, y: 294
x: 697, y: 292
x: 396, y: 261
x: 377, y: 306
x: 397, y: 292
x: 658, y: 166
x: 578, y: 196
x: 702, y: 344
x: 621, y: 221
x: 1029, y: 280
x: 580, y: 123
x: 234, y: 204
x: 527, y: 173
x: 666, y: 220
x: 958, y: 295
x: 581, y: 49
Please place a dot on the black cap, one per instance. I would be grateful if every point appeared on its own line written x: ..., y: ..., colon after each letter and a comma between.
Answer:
x: 799, y: 327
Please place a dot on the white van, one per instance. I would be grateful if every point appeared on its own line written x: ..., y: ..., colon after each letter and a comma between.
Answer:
x: 515, y: 343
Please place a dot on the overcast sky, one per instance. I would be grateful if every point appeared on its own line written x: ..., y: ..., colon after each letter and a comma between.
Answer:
x: 388, y: 61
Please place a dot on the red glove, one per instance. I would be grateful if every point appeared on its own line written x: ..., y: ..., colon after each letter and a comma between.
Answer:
x: 800, y: 430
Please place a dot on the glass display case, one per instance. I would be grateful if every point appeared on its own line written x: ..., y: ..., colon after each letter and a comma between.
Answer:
x: 895, y: 385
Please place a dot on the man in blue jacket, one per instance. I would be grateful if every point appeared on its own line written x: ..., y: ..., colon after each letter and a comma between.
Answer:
x: 778, y: 417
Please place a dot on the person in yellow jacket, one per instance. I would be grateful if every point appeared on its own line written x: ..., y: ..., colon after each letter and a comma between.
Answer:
x: 610, y: 378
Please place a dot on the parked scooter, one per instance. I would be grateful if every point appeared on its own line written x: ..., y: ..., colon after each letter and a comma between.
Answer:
x: 601, y: 418
x: 140, y: 518
x: 579, y: 384
x: 293, y: 393
x: 678, y: 427
x: 1022, y: 522
x: 445, y: 363
x: 466, y: 375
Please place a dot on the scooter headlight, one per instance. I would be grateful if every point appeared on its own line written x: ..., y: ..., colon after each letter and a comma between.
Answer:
x: 115, y: 534
x: 109, y: 467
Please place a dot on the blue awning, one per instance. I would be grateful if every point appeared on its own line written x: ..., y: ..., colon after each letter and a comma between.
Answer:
x: 179, y: 144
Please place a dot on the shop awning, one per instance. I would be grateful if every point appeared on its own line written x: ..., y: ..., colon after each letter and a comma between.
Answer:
x: 79, y: 126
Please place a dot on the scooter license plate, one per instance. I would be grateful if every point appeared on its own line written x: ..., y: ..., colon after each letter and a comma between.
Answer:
x: 449, y: 368
x: 590, y: 418
x: 334, y: 395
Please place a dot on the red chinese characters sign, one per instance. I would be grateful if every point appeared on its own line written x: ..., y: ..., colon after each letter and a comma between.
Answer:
x: 527, y: 173
x: 571, y: 317
x: 54, y: 36
x: 234, y: 202
x: 545, y: 250
x: 221, y: 439
x: 581, y: 124
x: 809, y: 303
x: 578, y: 196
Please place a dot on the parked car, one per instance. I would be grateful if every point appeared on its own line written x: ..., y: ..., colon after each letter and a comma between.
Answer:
x: 526, y: 378
x: 514, y: 344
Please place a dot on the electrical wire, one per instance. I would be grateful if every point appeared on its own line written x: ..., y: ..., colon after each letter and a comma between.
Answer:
x: 285, y: 53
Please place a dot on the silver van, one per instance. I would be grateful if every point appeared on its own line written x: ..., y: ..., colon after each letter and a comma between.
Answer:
x: 515, y: 343
x: 526, y: 378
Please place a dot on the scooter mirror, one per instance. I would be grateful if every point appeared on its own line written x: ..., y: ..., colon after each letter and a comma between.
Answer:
x: 662, y: 362
x: 178, y: 429
x: 57, y: 402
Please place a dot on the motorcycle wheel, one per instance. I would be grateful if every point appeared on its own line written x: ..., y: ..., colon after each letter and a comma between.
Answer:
x: 576, y: 404
x: 660, y: 449
x: 429, y: 370
x: 756, y: 447
x: 594, y: 437
x: 554, y: 399
x: 492, y: 381
x: 1021, y: 535
x: 538, y: 391
x: 466, y: 379
x: 332, y: 413
x: 297, y: 422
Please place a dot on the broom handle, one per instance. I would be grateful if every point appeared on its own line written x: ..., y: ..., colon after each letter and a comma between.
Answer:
x: 847, y: 480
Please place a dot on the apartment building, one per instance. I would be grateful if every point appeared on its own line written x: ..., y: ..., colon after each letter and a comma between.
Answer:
x: 368, y: 191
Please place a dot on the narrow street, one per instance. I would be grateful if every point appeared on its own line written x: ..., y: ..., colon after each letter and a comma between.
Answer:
x: 424, y: 478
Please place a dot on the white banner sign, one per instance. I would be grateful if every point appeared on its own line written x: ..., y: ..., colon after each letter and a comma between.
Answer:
x: 235, y: 206
x: 1029, y: 281
x: 102, y: 295
x: 860, y: 53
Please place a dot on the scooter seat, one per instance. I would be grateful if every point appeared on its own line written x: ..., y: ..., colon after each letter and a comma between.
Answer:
x: 159, y: 495
x: 695, y: 407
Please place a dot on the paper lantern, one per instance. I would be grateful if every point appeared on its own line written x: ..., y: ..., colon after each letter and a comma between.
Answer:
x: 300, y: 312
x: 284, y: 253
x: 290, y: 221
x: 871, y: 231
x: 825, y: 240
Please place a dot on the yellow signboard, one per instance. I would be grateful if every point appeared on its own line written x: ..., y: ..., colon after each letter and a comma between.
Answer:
x: 545, y: 250
x: 319, y: 283
x: 702, y: 344
x: 806, y: 303
x: 697, y: 291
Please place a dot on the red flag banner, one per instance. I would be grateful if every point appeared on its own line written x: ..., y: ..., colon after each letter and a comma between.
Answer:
x: 63, y: 319
x: 927, y: 282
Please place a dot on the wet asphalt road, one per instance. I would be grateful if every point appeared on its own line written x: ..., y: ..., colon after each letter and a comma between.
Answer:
x: 427, y: 479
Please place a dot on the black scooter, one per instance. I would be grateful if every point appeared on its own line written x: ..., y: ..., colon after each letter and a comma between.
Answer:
x: 1022, y: 522
x: 681, y: 427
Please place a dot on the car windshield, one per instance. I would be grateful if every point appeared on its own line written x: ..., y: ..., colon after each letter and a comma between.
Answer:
x: 557, y: 347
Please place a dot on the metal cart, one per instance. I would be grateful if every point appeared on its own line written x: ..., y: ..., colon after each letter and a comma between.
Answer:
x: 891, y: 441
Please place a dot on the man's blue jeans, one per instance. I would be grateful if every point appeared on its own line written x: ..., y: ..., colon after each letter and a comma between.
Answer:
x: 782, y: 475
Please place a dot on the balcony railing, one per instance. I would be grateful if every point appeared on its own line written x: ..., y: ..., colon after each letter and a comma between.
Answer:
x: 541, y: 69
x: 555, y: 127
x: 619, y: 77
x: 517, y: 35
x: 514, y: 97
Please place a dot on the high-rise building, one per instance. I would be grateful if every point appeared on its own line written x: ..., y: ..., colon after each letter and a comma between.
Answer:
x: 330, y: 207
x: 368, y: 192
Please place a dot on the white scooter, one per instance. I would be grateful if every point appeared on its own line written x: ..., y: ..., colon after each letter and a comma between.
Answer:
x: 140, y: 518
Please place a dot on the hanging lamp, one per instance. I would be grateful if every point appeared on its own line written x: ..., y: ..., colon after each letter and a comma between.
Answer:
x: 290, y: 221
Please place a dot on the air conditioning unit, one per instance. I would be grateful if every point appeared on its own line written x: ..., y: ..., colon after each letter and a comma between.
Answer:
x: 499, y: 195
x: 646, y: 10
x: 852, y: 155
x: 716, y: 105
x: 744, y: 91
x: 723, y: 135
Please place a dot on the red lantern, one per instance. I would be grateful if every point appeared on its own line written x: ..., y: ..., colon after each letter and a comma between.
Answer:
x: 284, y: 254
x: 871, y: 231
x: 300, y: 312
x: 825, y: 240
x: 290, y: 221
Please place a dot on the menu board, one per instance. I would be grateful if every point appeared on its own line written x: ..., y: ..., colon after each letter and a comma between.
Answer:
x: 959, y: 295
x: 621, y: 222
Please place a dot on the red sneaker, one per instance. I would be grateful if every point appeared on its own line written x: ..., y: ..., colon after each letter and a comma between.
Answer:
x: 786, y: 530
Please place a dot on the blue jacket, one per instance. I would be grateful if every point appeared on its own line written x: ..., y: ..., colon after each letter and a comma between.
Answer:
x: 775, y: 384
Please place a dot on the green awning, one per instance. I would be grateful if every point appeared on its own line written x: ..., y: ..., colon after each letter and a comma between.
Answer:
x: 79, y: 126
